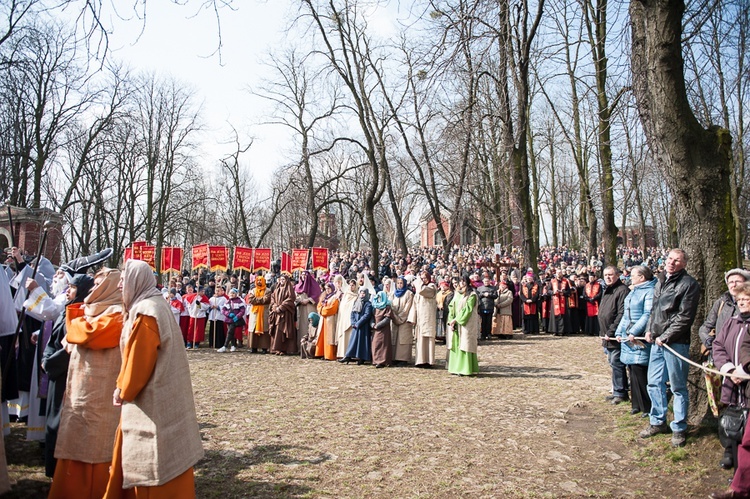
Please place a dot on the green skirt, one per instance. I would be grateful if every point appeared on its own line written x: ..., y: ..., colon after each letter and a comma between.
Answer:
x: 460, y: 362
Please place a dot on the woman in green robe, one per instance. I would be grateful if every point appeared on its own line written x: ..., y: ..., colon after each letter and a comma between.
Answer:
x: 463, y: 321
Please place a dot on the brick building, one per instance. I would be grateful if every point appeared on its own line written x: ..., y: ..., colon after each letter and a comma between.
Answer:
x: 27, y: 228
x: 631, y: 236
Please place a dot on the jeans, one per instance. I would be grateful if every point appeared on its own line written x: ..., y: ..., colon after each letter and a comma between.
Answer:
x: 619, y: 373
x: 664, y: 365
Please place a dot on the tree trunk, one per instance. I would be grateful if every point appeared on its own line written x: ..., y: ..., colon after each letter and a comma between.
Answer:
x: 694, y: 161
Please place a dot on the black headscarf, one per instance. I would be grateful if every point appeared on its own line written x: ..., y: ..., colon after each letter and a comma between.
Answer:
x: 83, y: 283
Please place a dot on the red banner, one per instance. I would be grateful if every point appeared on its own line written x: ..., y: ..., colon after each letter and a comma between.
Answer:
x: 299, y: 259
x: 148, y: 255
x: 219, y: 257
x: 320, y: 258
x: 200, y: 256
x: 171, y: 259
x: 243, y: 258
x: 134, y: 251
x: 286, y: 263
x: 261, y: 259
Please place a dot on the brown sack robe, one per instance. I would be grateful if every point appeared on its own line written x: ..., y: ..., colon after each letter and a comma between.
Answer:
x: 281, y: 319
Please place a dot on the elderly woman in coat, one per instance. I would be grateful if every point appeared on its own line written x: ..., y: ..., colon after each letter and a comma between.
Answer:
x: 736, y: 364
x: 502, y: 325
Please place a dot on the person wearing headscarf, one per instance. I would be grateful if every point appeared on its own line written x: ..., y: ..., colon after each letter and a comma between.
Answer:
x: 55, y: 363
x: 158, y: 441
x: 463, y: 321
x: 308, y: 295
x: 387, y: 283
x: 402, y: 331
x: 328, y: 308
x: 423, y: 315
x: 382, y: 349
x: 360, y: 346
x: 88, y: 421
x: 347, y: 298
x: 310, y: 340
x: 257, y: 318
x: 281, y: 318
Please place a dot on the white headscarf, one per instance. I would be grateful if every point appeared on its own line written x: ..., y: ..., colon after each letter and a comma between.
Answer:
x: 138, y: 283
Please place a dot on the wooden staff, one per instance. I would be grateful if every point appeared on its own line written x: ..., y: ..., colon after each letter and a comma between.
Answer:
x: 10, y: 222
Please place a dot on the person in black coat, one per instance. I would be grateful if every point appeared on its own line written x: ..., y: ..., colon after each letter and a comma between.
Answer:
x: 487, y: 294
x: 611, y: 310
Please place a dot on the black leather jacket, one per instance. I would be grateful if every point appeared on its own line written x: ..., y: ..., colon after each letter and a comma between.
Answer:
x: 675, y: 303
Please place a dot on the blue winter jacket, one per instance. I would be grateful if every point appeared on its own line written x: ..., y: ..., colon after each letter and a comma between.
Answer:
x: 634, y: 321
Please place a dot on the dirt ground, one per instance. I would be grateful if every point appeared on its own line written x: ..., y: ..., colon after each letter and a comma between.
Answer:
x: 534, y: 423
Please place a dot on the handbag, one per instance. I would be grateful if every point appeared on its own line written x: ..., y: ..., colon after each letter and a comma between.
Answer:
x: 732, y: 422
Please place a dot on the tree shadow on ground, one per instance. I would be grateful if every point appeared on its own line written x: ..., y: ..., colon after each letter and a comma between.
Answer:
x: 28, y: 489
x: 526, y: 372
x: 25, y: 459
x: 219, y: 473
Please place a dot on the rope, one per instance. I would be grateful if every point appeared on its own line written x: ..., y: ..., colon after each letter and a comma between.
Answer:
x: 685, y: 359
x: 707, y: 369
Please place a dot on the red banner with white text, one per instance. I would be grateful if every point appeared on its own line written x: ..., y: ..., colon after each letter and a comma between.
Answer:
x: 200, y: 256
x: 320, y: 258
x: 262, y: 259
x: 299, y: 259
x: 219, y: 257
x: 243, y: 258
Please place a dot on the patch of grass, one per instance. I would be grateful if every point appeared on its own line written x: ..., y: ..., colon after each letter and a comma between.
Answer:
x: 678, y: 454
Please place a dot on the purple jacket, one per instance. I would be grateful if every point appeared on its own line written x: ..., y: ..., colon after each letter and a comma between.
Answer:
x: 233, y: 306
x: 726, y: 352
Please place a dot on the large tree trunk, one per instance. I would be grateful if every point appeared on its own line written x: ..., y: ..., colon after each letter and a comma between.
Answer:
x: 695, y: 161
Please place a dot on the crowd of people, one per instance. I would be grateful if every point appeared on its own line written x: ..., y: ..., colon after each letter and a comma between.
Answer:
x: 393, y: 315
